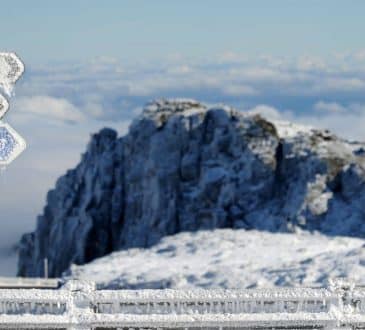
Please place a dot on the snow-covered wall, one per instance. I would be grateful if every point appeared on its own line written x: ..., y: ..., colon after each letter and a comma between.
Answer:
x: 183, y: 167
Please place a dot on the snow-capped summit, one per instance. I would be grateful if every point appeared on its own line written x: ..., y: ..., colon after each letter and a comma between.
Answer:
x: 185, y: 166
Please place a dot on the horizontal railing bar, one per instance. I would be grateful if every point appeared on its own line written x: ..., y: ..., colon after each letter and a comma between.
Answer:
x: 211, y: 320
x: 232, y: 295
x: 22, y: 282
x: 33, y: 295
x: 175, y: 321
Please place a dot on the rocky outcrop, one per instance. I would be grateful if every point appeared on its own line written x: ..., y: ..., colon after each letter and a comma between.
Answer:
x: 184, y: 167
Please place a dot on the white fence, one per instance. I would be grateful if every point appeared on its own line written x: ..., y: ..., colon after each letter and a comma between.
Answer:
x: 77, y: 305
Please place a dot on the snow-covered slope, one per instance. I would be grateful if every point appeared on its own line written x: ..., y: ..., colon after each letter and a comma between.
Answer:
x: 230, y: 259
x: 186, y: 167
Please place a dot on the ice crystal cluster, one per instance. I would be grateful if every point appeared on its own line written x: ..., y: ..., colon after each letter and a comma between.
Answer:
x: 11, y: 143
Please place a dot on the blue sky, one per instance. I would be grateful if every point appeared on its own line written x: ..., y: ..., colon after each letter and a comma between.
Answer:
x: 91, y: 64
x: 139, y: 30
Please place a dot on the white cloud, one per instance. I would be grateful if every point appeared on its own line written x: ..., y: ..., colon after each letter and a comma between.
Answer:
x: 224, y: 78
x: 232, y: 57
x: 332, y: 107
x: 237, y: 90
x: 95, y: 110
x: 181, y: 69
x: 307, y: 63
x: 266, y: 111
x: 260, y: 74
x: 347, y: 123
x: 344, y: 84
x: 359, y: 55
x: 49, y: 107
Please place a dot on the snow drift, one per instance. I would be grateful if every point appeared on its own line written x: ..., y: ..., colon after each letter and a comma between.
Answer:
x: 227, y: 258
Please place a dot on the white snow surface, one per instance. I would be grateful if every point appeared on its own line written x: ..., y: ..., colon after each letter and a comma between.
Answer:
x: 226, y: 258
x: 287, y: 129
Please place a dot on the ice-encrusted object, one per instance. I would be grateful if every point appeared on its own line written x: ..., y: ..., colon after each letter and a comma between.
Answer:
x: 4, y: 106
x: 11, y: 69
x: 11, y: 143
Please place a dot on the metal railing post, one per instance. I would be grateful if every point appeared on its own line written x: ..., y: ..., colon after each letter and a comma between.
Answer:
x: 45, y: 266
x: 343, y: 305
x: 79, y: 307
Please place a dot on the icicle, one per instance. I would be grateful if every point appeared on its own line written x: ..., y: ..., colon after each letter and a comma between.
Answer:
x: 225, y: 307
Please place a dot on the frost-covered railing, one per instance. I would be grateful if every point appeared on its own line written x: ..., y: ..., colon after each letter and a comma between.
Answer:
x: 28, y: 283
x: 166, y: 302
x: 77, y: 305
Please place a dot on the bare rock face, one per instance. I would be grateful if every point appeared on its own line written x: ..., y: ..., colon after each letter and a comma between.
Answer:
x: 185, y: 167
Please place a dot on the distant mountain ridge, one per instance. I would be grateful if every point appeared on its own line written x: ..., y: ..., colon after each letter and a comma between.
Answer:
x: 183, y: 167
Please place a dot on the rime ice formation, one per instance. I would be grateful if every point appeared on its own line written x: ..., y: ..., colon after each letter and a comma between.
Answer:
x: 4, y: 106
x: 11, y: 69
x: 77, y: 305
x: 184, y: 167
x: 11, y: 143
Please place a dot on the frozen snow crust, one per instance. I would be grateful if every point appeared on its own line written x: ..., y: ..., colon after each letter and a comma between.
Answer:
x: 184, y: 166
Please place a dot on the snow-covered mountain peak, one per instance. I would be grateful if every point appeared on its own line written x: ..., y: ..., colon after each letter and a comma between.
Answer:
x: 287, y: 129
x: 184, y: 166
x: 162, y: 109
x: 166, y: 108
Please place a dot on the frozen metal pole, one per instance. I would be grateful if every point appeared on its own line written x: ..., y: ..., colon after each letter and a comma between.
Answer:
x: 45, y: 263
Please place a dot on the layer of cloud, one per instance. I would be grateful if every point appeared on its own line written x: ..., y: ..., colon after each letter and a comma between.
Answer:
x: 107, y: 89
x: 345, y: 121
x: 332, y: 107
x: 44, y: 106
x: 267, y: 111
